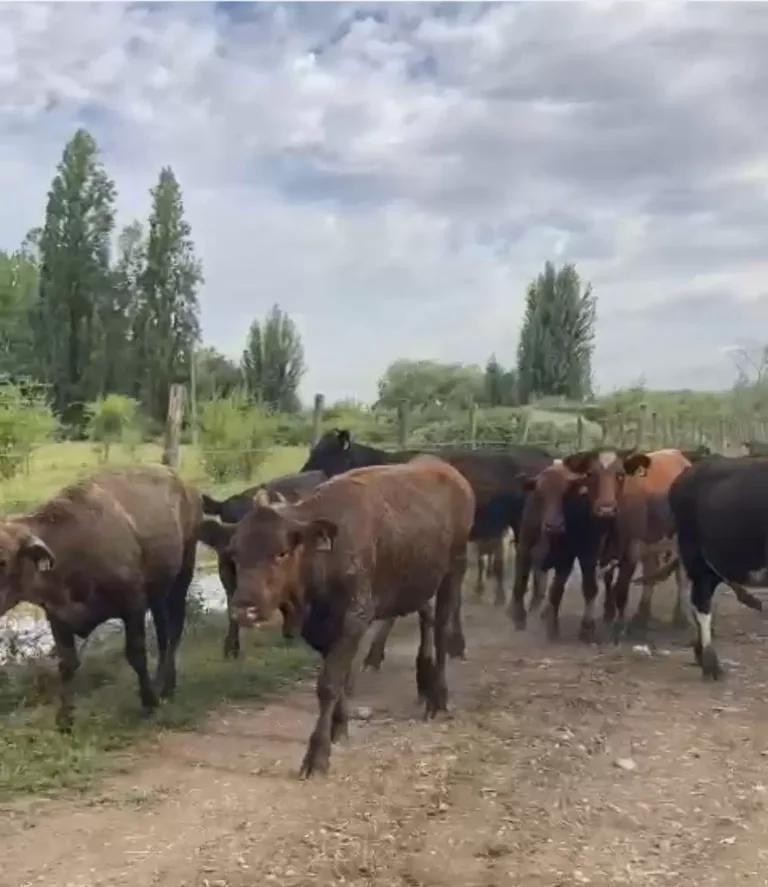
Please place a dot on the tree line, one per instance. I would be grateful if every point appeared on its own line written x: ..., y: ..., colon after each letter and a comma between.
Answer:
x: 90, y: 310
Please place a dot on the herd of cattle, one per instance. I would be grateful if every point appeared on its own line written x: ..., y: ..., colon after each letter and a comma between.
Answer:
x: 361, y: 535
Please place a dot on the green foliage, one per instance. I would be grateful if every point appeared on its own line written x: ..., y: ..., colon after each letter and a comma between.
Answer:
x: 556, y: 340
x: 217, y: 375
x: 273, y: 362
x: 110, y: 419
x: 235, y: 437
x: 499, y: 385
x: 428, y: 383
x: 26, y: 419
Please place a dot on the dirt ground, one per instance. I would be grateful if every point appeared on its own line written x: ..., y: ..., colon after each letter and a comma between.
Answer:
x: 560, y: 765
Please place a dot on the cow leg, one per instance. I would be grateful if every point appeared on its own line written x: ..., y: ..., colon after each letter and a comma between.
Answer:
x: 539, y: 583
x: 702, y: 591
x: 228, y: 579
x: 69, y: 662
x: 589, y: 592
x: 445, y: 604
x: 425, y: 658
x: 376, y: 651
x: 456, y: 645
x: 609, y: 599
x: 158, y: 607
x: 641, y: 620
x: 498, y: 566
x: 176, y: 608
x: 523, y: 564
x: 480, y: 576
x: 621, y: 596
x: 680, y: 618
x: 136, y: 654
x: 331, y: 691
x: 551, y: 612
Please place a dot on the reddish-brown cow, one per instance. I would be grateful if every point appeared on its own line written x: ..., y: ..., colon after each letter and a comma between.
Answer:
x: 374, y: 543
x: 631, y: 488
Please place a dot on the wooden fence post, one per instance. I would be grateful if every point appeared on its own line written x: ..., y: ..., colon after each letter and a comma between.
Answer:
x: 317, y: 419
x: 172, y: 439
x: 640, y: 440
x: 580, y: 433
x: 472, y: 424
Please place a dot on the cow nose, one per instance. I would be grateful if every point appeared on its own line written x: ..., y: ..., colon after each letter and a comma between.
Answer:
x: 553, y: 526
x: 605, y: 510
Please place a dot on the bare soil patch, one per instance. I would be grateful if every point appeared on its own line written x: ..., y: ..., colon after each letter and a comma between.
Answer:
x: 560, y: 765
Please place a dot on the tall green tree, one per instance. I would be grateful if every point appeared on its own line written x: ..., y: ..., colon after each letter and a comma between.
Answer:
x: 554, y: 356
x: 273, y: 362
x: 217, y: 375
x: 499, y: 385
x: 74, y: 272
x: 18, y: 292
x: 166, y: 325
x: 116, y: 312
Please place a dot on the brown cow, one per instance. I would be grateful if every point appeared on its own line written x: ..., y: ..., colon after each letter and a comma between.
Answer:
x: 108, y: 547
x: 374, y: 543
x: 630, y: 489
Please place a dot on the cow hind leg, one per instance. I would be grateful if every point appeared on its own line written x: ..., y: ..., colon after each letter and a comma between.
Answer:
x: 480, y: 576
x: 499, y: 569
x: 702, y: 592
x: 680, y: 618
x: 550, y: 615
x: 136, y: 655
x: 177, y: 612
x: 621, y: 596
x: 425, y: 660
x: 516, y: 610
x: 456, y: 645
x: 375, y: 655
x: 437, y: 693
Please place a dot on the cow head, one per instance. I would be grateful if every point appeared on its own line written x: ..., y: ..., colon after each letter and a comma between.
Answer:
x: 265, y: 550
x: 332, y: 454
x: 551, y: 486
x: 25, y: 560
x: 606, y: 471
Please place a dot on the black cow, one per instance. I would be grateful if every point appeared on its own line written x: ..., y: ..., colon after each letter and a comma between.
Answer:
x: 289, y: 486
x: 720, y: 508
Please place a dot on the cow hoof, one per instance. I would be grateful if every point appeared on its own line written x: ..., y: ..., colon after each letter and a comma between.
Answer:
x: 618, y: 631
x: 231, y: 653
x: 426, y: 677
x: 710, y: 664
x: 316, y: 760
x: 65, y: 720
x: 455, y: 646
x: 437, y: 701
x: 587, y: 631
x: 373, y: 662
x: 518, y: 615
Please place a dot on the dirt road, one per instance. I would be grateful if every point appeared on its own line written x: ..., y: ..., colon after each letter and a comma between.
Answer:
x: 561, y: 765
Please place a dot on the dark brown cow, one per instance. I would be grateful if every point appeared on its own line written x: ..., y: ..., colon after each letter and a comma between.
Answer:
x: 107, y: 547
x: 491, y: 559
x: 375, y: 543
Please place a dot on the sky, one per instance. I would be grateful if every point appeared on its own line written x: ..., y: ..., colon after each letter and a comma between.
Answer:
x: 394, y: 174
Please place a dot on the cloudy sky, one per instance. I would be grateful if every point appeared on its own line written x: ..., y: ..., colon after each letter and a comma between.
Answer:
x: 393, y: 174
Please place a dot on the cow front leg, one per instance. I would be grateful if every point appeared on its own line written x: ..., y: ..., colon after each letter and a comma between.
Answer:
x: 376, y: 651
x: 550, y: 614
x: 425, y: 657
x: 641, y: 620
x: 621, y: 595
x: 69, y: 662
x: 331, y: 695
x: 523, y: 564
x: 589, y: 592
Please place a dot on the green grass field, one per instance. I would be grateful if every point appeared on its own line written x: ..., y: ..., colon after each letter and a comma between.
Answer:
x: 34, y: 758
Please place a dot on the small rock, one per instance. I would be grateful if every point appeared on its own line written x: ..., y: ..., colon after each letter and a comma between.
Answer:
x: 626, y: 764
x: 641, y: 650
x: 363, y: 713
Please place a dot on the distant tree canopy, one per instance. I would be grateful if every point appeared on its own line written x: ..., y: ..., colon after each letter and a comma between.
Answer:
x: 554, y: 355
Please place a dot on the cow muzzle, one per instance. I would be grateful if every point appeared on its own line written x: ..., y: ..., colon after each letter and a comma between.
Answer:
x: 248, y: 617
x: 605, y: 511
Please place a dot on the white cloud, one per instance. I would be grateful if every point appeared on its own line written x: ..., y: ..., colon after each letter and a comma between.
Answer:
x: 394, y: 174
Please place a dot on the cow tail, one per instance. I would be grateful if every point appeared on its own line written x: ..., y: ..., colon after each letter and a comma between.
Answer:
x: 743, y: 595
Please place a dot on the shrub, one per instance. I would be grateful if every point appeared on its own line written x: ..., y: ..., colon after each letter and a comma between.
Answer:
x: 112, y: 419
x: 26, y: 419
x: 235, y: 437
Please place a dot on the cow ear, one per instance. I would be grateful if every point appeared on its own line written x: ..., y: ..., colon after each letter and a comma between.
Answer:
x: 261, y: 498
x: 215, y: 535
x: 344, y: 438
x: 578, y: 463
x: 637, y: 464
x: 527, y: 482
x: 38, y: 552
x: 321, y: 534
